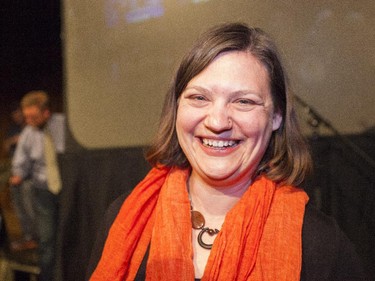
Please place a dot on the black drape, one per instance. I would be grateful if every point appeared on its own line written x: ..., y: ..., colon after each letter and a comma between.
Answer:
x: 343, y: 186
x: 92, y: 180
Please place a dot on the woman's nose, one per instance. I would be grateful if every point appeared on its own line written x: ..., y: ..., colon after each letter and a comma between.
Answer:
x: 218, y: 118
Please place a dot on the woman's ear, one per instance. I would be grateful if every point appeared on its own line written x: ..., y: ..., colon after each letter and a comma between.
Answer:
x: 276, y: 121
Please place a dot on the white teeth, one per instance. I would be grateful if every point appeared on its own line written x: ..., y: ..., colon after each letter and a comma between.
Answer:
x: 216, y: 143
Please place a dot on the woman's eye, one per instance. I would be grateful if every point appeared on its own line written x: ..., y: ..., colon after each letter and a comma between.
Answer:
x: 246, y: 102
x: 198, y: 97
x: 196, y: 100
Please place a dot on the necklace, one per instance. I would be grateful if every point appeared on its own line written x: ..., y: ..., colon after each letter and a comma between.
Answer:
x: 198, y: 222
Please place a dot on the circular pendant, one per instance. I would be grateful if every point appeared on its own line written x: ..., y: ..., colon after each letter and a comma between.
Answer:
x: 197, y: 220
x: 210, y: 232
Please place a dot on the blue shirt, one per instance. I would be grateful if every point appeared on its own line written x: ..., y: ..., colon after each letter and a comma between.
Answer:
x: 28, y: 160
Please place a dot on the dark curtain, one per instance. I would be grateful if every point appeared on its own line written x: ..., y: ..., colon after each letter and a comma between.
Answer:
x: 343, y: 186
x: 92, y: 180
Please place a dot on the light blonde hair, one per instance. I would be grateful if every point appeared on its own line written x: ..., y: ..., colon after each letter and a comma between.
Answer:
x: 36, y: 98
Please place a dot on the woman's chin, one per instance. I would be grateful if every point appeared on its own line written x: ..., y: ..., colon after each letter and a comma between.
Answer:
x: 220, y: 173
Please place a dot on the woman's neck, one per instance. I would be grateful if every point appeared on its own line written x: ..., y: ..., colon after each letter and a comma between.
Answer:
x: 213, y: 200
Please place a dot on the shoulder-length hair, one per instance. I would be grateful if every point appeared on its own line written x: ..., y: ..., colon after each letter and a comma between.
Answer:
x: 287, y: 159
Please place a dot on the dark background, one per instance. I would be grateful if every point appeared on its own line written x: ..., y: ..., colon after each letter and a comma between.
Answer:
x: 30, y: 50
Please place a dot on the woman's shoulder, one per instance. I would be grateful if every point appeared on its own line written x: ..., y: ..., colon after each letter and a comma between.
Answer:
x: 314, y: 217
x: 327, y: 253
x: 103, y: 231
x: 114, y: 207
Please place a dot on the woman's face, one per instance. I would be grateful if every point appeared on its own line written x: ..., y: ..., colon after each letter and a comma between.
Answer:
x: 225, y: 119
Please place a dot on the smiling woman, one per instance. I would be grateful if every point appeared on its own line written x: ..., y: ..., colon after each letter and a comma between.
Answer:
x: 229, y: 102
x: 222, y: 201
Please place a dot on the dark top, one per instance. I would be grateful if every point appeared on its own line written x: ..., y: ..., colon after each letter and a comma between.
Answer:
x: 327, y: 254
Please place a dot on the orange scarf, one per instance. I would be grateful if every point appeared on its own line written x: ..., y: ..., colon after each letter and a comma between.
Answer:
x: 259, y: 240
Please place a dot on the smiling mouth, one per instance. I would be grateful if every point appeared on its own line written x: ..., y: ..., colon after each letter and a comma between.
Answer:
x: 219, y: 143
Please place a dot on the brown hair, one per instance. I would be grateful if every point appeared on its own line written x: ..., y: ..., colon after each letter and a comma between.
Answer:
x: 287, y: 159
x: 36, y: 98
